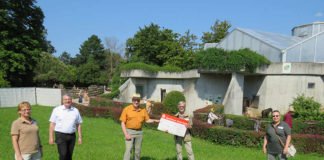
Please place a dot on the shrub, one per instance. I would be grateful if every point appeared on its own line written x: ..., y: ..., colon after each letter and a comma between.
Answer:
x: 236, y: 137
x: 230, y: 61
x: 307, y: 143
x: 241, y: 122
x: 93, y: 111
x: 171, y: 101
x: 101, y: 102
x: 150, y: 68
x: 306, y: 108
x: 306, y: 127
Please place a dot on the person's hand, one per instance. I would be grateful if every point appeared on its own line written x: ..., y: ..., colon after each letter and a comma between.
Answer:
x: 19, y: 157
x: 80, y: 140
x: 188, y: 126
x: 157, y: 121
x: 264, y: 150
x: 51, y: 141
x: 128, y: 137
x: 285, y: 151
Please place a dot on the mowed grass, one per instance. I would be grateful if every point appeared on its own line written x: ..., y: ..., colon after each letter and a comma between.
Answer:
x: 104, y: 140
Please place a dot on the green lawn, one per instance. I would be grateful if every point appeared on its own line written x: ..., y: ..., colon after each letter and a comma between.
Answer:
x: 103, y: 140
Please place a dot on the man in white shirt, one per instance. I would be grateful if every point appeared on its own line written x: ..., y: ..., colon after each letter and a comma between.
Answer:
x: 65, y: 120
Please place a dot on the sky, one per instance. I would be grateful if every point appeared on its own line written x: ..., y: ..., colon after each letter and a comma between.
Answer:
x: 69, y: 23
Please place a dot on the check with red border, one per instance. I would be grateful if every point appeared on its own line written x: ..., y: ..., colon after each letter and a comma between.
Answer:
x: 173, y: 125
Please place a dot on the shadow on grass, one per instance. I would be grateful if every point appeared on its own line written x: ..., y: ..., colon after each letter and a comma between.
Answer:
x: 150, y: 158
x: 175, y: 158
x: 147, y: 158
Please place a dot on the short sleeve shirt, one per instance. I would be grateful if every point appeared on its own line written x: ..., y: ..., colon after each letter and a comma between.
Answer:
x: 28, y: 135
x: 283, y: 130
x: 134, y: 118
x: 65, y: 119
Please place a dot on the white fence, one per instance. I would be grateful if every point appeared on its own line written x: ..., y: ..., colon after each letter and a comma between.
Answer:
x: 11, y: 97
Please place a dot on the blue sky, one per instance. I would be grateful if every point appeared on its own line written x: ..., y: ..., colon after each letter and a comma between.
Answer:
x: 71, y: 22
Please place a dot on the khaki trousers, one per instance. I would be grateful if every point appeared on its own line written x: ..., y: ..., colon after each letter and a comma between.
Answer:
x: 136, y: 141
x: 179, y: 141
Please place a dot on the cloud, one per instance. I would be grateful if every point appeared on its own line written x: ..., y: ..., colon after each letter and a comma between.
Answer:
x: 319, y: 14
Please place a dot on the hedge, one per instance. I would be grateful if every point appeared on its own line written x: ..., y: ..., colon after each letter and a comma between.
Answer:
x: 306, y: 143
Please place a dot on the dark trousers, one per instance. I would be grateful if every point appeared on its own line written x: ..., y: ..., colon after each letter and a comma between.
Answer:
x: 65, y: 145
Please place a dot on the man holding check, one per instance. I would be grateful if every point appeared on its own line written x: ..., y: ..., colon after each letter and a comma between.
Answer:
x: 187, y: 138
x: 132, y: 119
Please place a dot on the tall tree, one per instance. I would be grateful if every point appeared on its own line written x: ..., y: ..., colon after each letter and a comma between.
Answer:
x: 218, y: 31
x: 22, y: 40
x: 65, y: 57
x: 114, y: 53
x: 153, y: 45
x: 91, y: 62
x: 185, y: 60
x: 92, y: 47
x: 188, y: 41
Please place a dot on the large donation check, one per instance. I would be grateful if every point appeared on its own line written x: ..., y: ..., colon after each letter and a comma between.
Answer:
x: 173, y: 125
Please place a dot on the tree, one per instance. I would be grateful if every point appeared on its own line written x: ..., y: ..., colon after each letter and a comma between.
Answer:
x: 218, y: 31
x: 188, y: 41
x: 190, y: 46
x: 23, y: 40
x: 90, y: 73
x: 153, y: 45
x: 65, y: 57
x: 91, y: 62
x: 91, y: 48
x: 50, y: 70
x: 114, y: 54
x: 3, y: 82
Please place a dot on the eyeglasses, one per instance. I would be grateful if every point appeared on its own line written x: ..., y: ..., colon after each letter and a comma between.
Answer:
x: 275, y: 116
x: 136, y: 100
x: 25, y: 110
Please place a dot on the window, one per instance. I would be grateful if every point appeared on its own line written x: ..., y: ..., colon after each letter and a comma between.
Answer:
x: 140, y: 90
x: 311, y: 85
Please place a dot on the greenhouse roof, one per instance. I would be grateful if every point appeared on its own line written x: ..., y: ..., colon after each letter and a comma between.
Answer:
x: 276, y: 40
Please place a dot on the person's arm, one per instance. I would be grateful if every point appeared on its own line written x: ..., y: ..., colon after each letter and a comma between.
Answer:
x: 265, y: 142
x: 79, y: 133
x: 152, y: 121
x: 285, y: 151
x: 123, y: 126
x: 51, y: 133
x: 15, y: 145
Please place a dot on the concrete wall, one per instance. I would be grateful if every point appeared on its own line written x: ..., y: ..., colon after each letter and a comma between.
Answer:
x: 11, y: 97
x: 48, y: 96
x: 278, y: 91
x: 209, y: 88
x: 233, y: 100
x: 274, y: 85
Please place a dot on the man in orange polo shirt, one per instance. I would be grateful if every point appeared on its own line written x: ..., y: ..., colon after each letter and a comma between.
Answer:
x: 132, y: 119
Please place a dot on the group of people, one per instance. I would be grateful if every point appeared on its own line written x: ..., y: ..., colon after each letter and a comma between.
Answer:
x: 66, y: 120
x: 132, y: 119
